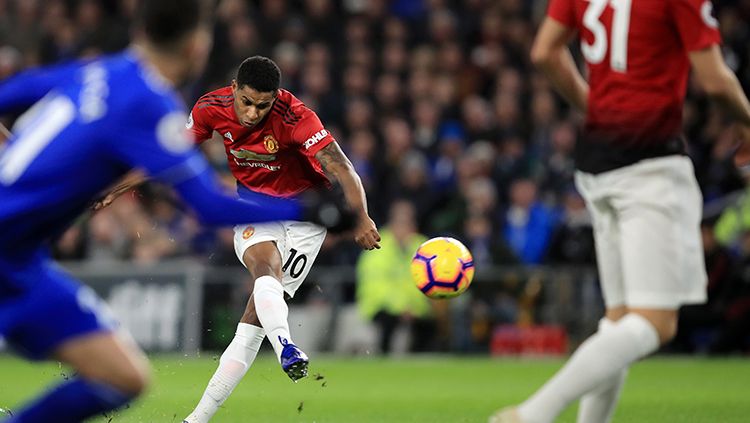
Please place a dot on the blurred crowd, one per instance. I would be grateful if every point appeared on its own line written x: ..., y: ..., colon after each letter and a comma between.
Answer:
x: 434, y: 101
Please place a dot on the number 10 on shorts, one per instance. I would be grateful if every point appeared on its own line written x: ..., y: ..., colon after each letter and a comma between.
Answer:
x: 294, y: 263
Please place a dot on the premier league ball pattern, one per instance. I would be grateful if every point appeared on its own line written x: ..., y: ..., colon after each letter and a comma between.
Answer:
x: 442, y: 268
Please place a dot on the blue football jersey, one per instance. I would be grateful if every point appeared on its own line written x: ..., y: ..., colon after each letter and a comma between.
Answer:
x: 92, y: 123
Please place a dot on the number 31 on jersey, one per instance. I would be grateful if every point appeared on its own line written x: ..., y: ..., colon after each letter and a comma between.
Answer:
x: 595, y: 52
x: 617, y: 40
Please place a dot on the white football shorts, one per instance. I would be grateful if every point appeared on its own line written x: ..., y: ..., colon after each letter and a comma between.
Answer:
x: 646, y: 220
x: 297, y: 242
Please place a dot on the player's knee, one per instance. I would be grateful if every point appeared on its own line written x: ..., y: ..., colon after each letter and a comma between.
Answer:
x: 666, y: 326
x: 613, y: 314
x: 264, y: 269
x: 667, y: 330
x: 258, y: 266
x: 138, y: 381
x: 663, y: 321
x: 263, y: 260
x: 133, y: 379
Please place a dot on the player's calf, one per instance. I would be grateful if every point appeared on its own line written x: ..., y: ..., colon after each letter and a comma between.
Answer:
x: 108, y: 359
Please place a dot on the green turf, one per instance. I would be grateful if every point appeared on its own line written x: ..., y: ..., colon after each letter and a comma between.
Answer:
x: 429, y: 389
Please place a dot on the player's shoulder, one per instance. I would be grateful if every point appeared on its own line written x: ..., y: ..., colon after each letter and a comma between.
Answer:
x: 130, y: 88
x: 221, y: 97
x: 288, y: 110
x: 214, y: 103
x: 677, y: 10
x: 670, y: 5
x: 694, y: 2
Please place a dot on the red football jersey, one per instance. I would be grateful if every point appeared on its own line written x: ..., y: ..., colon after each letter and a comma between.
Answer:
x: 636, y: 53
x: 277, y: 156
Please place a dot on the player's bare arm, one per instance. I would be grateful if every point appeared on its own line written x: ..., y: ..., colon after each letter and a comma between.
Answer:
x: 338, y: 168
x: 722, y: 85
x: 131, y: 180
x: 551, y: 55
x: 5, y: 134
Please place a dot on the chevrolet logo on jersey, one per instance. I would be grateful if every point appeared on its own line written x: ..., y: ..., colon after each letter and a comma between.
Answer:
x: 251, y: 155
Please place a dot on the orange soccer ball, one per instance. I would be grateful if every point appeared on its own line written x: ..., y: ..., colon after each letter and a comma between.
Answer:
x: 442, y: 268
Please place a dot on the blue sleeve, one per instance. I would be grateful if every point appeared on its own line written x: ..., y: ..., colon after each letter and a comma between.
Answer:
x: 159, y: 143
x: 21, y: 91
x: 213, y: 207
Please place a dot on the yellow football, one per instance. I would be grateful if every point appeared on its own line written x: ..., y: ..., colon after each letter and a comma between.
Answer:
x: 442, y: 268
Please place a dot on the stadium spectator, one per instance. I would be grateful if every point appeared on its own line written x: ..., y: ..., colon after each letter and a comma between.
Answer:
x: 734, y: 222
x: 481, y: 237
x: 385, y: 291
x: 572, y: 242
x: 414, y: 183
x: 528, y: 223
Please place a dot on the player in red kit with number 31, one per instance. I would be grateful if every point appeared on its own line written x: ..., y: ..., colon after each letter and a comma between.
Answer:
x: 634, y: 174
x: 276, y: 146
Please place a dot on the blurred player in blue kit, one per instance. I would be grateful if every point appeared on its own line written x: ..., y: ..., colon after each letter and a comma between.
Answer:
x: 90, y: 124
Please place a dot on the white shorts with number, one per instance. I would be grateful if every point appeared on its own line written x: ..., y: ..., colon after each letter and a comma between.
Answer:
x: 647, y: 231
x: 297, y: 242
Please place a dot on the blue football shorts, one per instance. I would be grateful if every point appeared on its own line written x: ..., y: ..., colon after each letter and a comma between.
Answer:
x: 41, y: 306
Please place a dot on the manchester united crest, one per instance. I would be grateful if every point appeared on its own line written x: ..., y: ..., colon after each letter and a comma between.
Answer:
x: 271, y: 144
x: 248, y: 232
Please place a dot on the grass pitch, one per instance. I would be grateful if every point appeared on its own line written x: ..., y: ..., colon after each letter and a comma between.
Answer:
x: 423, y: 389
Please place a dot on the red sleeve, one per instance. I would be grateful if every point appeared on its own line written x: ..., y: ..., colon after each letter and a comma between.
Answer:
x: 696, y: 24
x: 563, y: 12
x: 198, y: 124
x: 309, y: 133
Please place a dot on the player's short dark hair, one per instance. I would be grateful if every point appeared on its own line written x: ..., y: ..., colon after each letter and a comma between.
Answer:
x: 259, y: 73
x: 165, y: 22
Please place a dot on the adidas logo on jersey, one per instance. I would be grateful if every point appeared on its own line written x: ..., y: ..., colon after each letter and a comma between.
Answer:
x: 228, y: 135
x: 315, y: 138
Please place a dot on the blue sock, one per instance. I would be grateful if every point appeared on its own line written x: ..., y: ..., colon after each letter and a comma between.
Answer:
x: 71, y: 402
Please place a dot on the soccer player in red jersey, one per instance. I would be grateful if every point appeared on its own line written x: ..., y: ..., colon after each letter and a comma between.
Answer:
x: 637, y: 181
x: 277, y: 146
